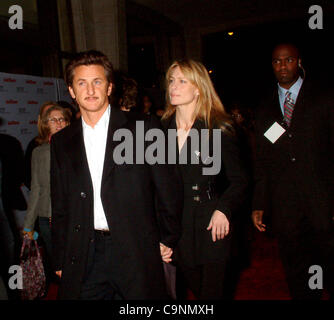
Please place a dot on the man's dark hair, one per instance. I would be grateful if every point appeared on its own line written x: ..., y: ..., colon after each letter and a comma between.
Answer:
x: 87, y: 58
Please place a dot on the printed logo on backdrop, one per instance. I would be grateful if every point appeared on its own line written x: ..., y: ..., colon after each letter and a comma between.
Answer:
x: 20, y: 99
x: 11, y: 101
x: 23, y: 111
x: 32, y: 102
x: 9, y: 80
x: 40, y: 91
x: 21, y: 90
x: 13, y: 123
x: 31, y: 82
x: 3, y: 89
x: 25, y: 131
x: 4, y: 110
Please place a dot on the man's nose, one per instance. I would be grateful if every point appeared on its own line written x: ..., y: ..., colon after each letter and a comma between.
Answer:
x: 90, y: 89
x: 283, y: 65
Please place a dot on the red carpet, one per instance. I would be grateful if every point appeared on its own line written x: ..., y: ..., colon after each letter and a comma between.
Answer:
x: 262, y: 280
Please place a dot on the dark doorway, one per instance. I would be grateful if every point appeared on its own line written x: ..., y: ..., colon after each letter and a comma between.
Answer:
x: 142, y: 66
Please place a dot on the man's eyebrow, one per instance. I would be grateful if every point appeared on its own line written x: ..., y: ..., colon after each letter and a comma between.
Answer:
x: 82, y: 79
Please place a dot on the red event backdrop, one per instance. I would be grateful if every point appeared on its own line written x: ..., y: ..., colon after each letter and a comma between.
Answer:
x: 20, y: 99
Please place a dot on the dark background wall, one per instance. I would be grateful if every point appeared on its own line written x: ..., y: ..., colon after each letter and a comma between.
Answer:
x: 241, y: 63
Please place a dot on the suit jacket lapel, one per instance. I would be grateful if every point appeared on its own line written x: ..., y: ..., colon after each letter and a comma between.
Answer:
x: 188, y: 168
x: 117, y: 121
x: 77, y: 153
x: 171, y: 124
x: 277, y: 111
x: 299, y: 105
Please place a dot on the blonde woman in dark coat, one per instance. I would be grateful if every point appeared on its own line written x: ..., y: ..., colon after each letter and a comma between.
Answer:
x: 39, y: 204
x: 210, y: 200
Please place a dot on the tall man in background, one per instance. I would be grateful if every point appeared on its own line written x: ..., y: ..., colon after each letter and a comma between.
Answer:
x: 106, y: 228
x: 294, y: 173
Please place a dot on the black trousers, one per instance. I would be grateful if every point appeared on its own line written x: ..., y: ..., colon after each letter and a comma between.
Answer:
x: 98, y: 283
x: 205, y: 281
x: 301, y: 249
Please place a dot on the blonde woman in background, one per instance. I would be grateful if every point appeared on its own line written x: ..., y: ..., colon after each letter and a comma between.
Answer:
x: 54, y: 119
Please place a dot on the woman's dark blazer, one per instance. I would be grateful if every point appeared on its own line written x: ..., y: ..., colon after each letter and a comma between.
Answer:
x: 227, y: 194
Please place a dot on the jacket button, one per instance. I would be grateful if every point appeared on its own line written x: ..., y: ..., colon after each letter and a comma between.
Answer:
x: 290, y: 135
x: 77, y: 228
x: 83, y: 195
x: 293, y: 159
x: 197, y: 198
x: 73, y: 260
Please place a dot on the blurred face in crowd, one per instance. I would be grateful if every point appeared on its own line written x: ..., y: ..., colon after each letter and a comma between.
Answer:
x: 181, y: 91
x: 56, y: 121
x: 285, y: 60
x: 237, y: 116
x: 90, y: 88
x: 147, y: 103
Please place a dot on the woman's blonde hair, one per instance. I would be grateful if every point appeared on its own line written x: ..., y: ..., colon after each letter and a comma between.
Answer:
x: 43, y: 120
x: 209, y: 108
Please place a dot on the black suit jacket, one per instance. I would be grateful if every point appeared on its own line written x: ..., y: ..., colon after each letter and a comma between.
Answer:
x: 11, y: 155
x: 294, y: 176
x: 128, y: 194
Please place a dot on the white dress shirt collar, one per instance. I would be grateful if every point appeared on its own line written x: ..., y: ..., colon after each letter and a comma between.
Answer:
x: 102, y: 123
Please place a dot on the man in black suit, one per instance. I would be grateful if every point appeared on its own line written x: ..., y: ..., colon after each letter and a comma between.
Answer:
x: 294, y: 174
x: 106, y: 227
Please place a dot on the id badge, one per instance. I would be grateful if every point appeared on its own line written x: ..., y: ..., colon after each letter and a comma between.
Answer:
x: 274, y: 132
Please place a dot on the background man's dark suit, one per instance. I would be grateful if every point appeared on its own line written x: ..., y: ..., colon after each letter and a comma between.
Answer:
x: 294, y: 177
x: 11, y: 157
x: 127, y: 192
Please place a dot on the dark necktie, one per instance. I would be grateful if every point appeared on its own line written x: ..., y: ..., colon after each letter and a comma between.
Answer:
x: 288, y: 108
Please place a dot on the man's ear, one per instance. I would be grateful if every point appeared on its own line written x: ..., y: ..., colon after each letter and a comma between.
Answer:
x: 70, y: 89
x: 300, y: 63
x: 109, y: 89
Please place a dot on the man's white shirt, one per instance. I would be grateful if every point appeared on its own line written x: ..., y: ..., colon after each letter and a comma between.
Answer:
x: 95, y: 140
